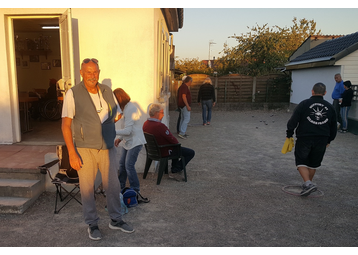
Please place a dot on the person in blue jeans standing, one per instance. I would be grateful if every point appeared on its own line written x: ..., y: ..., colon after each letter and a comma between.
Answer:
x: 206, y: 97
x: 184, y: 103
x: 336, y: 96
x: 346, y: 105
x: 132, y: 139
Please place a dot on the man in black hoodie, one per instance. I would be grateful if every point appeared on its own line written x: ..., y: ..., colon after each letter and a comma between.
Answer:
x: 315, y: 122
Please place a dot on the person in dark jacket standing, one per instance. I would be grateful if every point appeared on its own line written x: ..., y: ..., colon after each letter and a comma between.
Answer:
x: 346, y: 103
x: 206, y: 97
x: 315, y: 123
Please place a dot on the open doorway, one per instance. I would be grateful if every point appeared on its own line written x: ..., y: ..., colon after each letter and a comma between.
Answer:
x: 38, y: 68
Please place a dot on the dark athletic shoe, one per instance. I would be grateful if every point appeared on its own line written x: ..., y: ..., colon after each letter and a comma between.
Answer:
x: 178, y: 176
x: 308, y: 189
x: 121, y: 225
x: 94, y: 233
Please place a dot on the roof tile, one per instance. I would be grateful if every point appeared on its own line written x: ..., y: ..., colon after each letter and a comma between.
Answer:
x: 328, y: 48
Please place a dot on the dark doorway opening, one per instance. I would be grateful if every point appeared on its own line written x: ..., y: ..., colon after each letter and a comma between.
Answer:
x: 38, y: 67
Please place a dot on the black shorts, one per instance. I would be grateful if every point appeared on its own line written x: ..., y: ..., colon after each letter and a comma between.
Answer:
x: 309, y: 151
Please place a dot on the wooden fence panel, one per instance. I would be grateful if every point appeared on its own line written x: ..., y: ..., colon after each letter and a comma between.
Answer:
x: 234, y: 89
x: 239, y: 88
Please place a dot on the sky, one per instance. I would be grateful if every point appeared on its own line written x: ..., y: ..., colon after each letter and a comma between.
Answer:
x: 204, y: 25
x: 212, y: 22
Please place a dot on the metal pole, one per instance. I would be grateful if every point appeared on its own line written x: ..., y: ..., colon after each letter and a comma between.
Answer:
x: 210, y: 43
x: 253, y: 89
x: 225, y: 91
x: 216, y: 86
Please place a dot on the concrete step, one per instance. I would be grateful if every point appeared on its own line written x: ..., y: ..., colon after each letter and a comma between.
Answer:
x: 20, y: 188
x: 21, y: 173
x: 16, y: 205
x: 18, y: 195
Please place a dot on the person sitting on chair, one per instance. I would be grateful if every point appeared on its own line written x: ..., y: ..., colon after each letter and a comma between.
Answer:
x: 163, y: 136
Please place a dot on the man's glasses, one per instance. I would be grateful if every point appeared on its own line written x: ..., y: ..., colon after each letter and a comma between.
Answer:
x: 87, y: 60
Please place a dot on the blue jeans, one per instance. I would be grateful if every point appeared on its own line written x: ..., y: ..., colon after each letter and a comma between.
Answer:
x: 184, y: 120
x: 178, y: 123
x: 344, y: 115
x: 206, y: 106
x: 188, y: 154
x: 127, y: 161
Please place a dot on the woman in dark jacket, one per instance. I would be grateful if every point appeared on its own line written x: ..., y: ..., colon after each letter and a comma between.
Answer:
x: 346, y: 105
x: 206, y: 97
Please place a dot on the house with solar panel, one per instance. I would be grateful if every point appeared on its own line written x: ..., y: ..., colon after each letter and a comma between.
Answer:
x: 318, y: 59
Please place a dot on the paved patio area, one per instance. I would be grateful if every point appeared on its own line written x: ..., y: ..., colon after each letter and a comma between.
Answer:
x: 233, y: 198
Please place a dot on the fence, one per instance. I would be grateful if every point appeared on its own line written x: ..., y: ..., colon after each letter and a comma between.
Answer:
x: 272, y: 88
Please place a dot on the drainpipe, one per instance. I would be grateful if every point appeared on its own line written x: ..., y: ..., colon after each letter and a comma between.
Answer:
x: 171, y: 43
x: 216, y: 85
x: 225, y: 92
x: 253, y: 89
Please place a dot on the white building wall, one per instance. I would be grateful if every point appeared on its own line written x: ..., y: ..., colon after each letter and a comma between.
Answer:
x: 125, y: 47
x: 350, y: 72
x: 304, y: 79
x: 123, y: 40
x: 6, y: 119
x: 350, y: 67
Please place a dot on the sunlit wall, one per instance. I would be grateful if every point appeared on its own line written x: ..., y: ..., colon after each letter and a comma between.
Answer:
x: 123, y: 40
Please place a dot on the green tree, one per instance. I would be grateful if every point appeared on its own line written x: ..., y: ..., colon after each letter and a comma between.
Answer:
x: 265, y: 48
x: 193, y: 66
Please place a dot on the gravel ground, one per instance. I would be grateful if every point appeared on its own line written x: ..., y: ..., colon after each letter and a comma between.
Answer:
x: 233, y: 198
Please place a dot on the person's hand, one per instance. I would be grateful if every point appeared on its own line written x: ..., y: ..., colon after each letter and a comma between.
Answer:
x: 188, y: 108
x: 327, y: 145
x: 214, y: 104
x: 116, y: 142
x: 75, y: 161
x: 118, y: 117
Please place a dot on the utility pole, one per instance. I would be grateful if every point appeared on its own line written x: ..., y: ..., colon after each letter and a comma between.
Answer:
x: 210, y: 43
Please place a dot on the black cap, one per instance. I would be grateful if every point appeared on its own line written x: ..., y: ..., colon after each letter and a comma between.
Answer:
x: 348, y: 84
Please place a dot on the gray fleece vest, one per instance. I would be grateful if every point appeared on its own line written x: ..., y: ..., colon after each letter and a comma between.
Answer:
x: 89, y: 132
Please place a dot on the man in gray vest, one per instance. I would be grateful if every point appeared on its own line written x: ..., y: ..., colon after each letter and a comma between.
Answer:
x: 92, y: 110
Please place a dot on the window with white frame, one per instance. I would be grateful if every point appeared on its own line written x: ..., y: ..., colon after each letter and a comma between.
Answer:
x: 355, y: 92
x: 163, y: 61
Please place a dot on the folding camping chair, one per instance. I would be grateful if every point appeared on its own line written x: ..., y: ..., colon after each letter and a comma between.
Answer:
x: 65, y: 176
x: 153, y: 153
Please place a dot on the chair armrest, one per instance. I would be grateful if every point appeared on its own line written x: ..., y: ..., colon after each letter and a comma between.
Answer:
x: 43, y: 169
x: 176, y: 149
x: 170, y: 145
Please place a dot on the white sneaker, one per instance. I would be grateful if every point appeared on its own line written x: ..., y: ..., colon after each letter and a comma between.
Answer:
x: 182, y: 136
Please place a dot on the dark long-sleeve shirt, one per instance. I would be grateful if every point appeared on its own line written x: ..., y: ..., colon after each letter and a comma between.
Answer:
x: 206, y: 92
x: 313, y: 117
x: 347, y: 98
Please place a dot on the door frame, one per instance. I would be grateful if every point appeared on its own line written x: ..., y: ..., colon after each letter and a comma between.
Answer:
x: 13, y: 88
